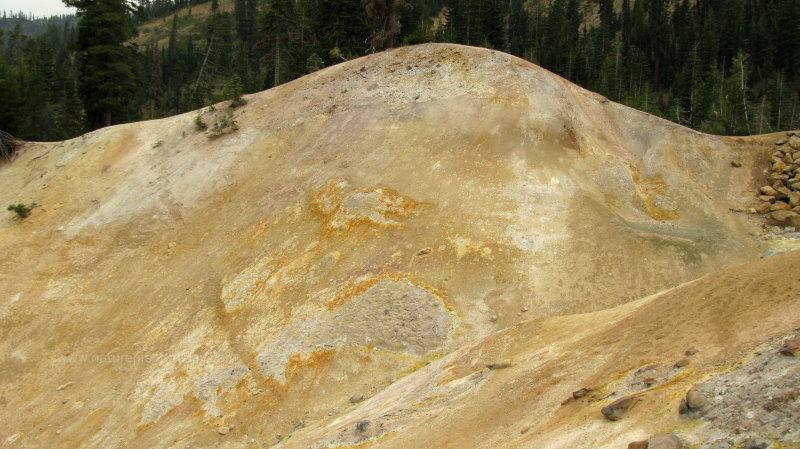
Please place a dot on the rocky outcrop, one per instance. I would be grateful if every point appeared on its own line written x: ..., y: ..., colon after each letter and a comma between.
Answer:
x: 780, y: 200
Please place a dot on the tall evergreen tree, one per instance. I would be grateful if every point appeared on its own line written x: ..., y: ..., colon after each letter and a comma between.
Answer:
x: 108, y: 76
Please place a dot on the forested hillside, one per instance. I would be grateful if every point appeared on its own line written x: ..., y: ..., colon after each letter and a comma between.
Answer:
x: 719, y: 66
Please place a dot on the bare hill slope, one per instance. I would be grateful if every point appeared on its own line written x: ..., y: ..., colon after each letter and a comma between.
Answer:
x: 385, y: 227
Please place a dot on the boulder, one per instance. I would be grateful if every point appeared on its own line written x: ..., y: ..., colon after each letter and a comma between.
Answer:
x: 796, y: 156
x: 783, y: 216
x: 681, y: 363
x: 794, y: 198
x: 779, y: 166
x: 363, y: 424
x: 780, y: 205
x: 665, y: 441
x: 794, y: 142
x: 778, y: 184
x: 767, y: 198
x: 763, y: 208
x: 795, y: 186
x: 768, y: 190
x: 781, y: 141
x: 790, y: 347
x: 783, y: 192
x: 616, y: 409
x: 695, y: 400
x: 778, y: 176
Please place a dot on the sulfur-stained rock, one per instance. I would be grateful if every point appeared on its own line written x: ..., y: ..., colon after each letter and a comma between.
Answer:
x: 616, y: 409
x: 779, y: 166
x: 665, y: 441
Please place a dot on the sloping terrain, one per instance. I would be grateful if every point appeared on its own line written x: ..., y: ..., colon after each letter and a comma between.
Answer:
x: 384, y: 228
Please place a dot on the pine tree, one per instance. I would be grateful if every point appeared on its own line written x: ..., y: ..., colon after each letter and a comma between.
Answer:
x: 108, y: 77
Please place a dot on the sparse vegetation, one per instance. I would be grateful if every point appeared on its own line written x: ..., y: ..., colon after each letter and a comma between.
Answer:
x: 233, y: 91
x: 22, y: 210
x: 199, y: 123
x: 226, y: 125
x: 158, y: 144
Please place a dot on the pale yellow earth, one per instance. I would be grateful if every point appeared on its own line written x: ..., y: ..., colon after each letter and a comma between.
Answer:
x: 387, y: 227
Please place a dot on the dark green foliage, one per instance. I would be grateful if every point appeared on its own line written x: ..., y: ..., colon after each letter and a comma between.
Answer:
x: 109, y: 78
x: 22, y: 210
x: 233, y: 91
x: 199, y: 123
x: 721, y: 66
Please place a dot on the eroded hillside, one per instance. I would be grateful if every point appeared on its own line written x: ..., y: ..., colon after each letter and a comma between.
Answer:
x: 384, y: 228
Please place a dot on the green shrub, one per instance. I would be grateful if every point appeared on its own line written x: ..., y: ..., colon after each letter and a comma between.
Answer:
x: 199, y: 123
x: 22, y: 210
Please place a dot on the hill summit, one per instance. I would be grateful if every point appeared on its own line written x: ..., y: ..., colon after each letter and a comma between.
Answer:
x: 432, y: 246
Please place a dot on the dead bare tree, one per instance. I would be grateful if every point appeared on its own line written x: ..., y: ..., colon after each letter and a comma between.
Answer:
x: 383, y: 18
x: 7, y: 145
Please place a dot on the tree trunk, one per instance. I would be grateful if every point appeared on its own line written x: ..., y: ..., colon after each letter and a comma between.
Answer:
x: 277, y: 59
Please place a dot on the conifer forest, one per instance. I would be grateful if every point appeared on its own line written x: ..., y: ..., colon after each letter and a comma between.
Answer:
x: 729, y: 67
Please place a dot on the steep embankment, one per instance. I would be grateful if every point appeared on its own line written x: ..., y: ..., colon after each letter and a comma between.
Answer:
x: 371, y: 229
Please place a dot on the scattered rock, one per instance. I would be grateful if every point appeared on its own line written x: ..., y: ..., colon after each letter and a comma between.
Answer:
x: 223, y: 430
x: 755, y: 443
x: 691, y: 351
x: 299, y: 424
x: 499, y: 365
x: 718, y: 444
x: 58, y: 432
x: 524, y: 309
x: 681, y: 363
x: 638, y: 445
x: 64, y: 386
x: 278, y: 438
x: 790, y: 347
x: 493, y: 318
x: 768, y: 190
x: 363, y: 424
x: 736, y: 164
x: 695, y: 400
x: 358, y: 397
x: 580, y: 393
x: 649, y: 381
x: 665, y: 441
x: 616, y: 409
